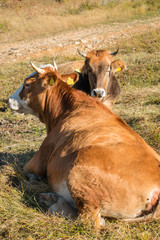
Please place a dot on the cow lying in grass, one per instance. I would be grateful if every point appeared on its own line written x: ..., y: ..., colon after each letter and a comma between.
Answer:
x: 99, y: 69
x: 91, y: 157
x: 97, y: 77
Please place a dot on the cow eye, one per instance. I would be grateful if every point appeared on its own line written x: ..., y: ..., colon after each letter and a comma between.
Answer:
x: 100, y: 68
x: 89, y: 70
x: 27, y: 85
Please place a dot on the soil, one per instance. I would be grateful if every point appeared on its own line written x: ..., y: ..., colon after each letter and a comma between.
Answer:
x: 66, y: 43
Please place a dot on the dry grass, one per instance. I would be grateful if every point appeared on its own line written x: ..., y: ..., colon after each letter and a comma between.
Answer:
x: 21, y: 214
x: 31, y: 19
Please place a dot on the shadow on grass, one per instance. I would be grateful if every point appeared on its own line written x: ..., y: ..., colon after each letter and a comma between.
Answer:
x: 133, y: 121
x: 21, y: 158
x: 12, y: 166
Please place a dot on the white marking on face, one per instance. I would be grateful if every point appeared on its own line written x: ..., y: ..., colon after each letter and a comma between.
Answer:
x: 100, y: 93
x: 108, y: 69
x: 25, y: 108
x: 107, y: 74
x: 15, y: 101
x: 19, y: 105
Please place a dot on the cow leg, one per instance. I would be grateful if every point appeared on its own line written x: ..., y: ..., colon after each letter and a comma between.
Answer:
x: 63, y: 208
x: 35, y: 166
x: 38, y: 163
x: 57, y: 204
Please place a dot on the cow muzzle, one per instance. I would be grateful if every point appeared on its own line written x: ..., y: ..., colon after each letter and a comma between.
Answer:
x: 19, y: 105
x: 100, y: 93
x: 13, y: 104
x: 14, y: 101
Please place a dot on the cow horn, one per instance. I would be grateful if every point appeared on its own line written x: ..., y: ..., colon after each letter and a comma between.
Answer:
x: 114, y: 53
x: 54, y: 64
x: 81, y: 53
x: 37, y: 69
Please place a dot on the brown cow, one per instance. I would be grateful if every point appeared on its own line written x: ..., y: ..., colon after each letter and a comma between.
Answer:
x: 98, y: 76
x: 70, y: 67
x: 70, y: 79
x: 90, y: 156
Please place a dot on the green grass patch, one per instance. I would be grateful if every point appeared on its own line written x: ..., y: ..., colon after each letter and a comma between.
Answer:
x: 139, y: 107
x: 83, y: 7
x: 141, y: 54
x: 3, y: 27
x: 146, y: 42
x: 143, y: 74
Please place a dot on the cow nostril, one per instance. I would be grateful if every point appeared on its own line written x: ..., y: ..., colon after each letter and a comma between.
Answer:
x: 100, y: 93
x: 94, y: 93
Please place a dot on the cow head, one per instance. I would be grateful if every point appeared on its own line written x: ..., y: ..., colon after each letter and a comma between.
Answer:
x: 100, y: 68
x: 29, y: 97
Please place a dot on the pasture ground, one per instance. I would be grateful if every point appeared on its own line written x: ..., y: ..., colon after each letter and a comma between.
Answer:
x: 22, y: 216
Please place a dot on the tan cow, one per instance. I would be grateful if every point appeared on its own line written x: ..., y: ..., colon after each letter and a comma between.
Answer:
x: 70, y: 67
x: 91, y: 157
x: 70, y: 79
x: 97, y: 77
x: 99, y: 70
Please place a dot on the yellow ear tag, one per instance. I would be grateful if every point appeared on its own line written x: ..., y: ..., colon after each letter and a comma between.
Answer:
x: 70, y: 81
x: 118, y: 69
x: 51, y: 82
x: 78, y: 70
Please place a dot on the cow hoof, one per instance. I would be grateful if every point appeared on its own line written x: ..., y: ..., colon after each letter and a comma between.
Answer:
x: 63, y: 208
x: 102, y: 222
x: 48, y: 198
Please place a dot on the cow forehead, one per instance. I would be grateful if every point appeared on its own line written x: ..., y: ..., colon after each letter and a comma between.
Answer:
x: 105, y: 60
x: 99, y: 54
x: 41, y: 66
x: 102, y: 57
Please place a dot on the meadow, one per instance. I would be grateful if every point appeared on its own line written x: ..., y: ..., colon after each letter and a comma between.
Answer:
x: 22, y: 216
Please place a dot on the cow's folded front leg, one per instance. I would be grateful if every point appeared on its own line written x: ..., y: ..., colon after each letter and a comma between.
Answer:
x: 38, y: 163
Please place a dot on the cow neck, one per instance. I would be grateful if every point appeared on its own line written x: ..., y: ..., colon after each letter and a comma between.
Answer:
x: 58, y: 104
x: 113, y: 88
x: 83, y: 84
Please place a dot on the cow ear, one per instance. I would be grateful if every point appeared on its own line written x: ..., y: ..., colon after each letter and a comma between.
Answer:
x: 71, y: 78
x: 118, y: 66
x: 52, y: 79
x: 82, y: 53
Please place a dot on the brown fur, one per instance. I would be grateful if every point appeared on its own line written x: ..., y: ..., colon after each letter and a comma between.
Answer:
x: 93, y: 71
x: 96, y: 64
x: 73, y: 76
x: 107, y: 167
x: 69, y: 67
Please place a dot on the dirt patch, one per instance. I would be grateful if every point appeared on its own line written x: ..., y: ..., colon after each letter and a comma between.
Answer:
x: 66, y: 43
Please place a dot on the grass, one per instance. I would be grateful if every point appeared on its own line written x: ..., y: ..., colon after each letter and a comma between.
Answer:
x: 30, y: 19
x: 22, y: 216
